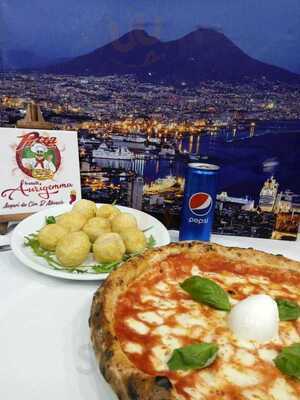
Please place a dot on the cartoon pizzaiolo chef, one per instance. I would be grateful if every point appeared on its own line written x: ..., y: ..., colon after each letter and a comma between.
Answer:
x: 40, y: 161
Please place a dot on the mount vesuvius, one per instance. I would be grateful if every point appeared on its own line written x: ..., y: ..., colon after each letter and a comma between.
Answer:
x: 202, y: 55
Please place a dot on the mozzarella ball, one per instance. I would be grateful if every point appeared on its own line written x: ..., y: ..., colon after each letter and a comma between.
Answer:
x: 122, y: 222
x: 108, y: 211
x: 50, y: 234
x: 109, y: 248
x: 86, y: 207
x: 134, y: 240
x: 95, y: 227
x: 72, y: 221
x: 255, y: 318
x: 73, y: 249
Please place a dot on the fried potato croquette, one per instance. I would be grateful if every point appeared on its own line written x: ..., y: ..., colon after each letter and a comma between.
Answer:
x: 49, y: 236
x: 108, y: 211
x: 123, y: 221
x: 72, y: 221
x: 85, y: 207
x: 96, y: 227
x: 109, y: 248
x: 135, y: 240
x: 73, y: 249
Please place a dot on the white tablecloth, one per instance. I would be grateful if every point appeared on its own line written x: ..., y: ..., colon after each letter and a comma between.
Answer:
x: 45, y: 351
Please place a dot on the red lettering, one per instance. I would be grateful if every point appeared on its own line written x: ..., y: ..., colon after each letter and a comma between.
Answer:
x: 34, y: 137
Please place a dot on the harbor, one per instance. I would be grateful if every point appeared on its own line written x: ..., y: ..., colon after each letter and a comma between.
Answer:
x: 247, y: 158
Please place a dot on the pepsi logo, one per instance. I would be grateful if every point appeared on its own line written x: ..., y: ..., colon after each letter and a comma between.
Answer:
x: 200, y: 203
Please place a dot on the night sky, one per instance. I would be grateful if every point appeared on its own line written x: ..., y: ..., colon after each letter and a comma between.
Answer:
x: 265, y: 29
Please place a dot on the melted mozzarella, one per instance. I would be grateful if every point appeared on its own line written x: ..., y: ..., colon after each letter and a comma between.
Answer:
x: 137, y: 326
x: 254, y: 394
x: 281, y: 390
x: 160, y: 357
x: 245, y: 357
x: 162, y: 287
x: 132, y: 347
x: 187, y: 320
x: 159, y: 302
x: 151, y: 317
x: 243, y: 378
x: 267, y: 355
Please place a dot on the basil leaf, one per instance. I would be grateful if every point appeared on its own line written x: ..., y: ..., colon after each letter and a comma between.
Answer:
x: 50, y: 220
x: 288, y: 310
x: 193, y: 356
x: 288, y: 361
x: 206, y: 291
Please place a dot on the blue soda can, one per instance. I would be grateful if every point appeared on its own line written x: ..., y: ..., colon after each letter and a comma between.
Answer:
x: 199, y: 200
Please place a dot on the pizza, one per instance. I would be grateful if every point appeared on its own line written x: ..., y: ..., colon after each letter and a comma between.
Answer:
x: 173, y: 324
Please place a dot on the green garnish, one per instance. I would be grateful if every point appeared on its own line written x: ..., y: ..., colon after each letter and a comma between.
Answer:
x: 288, y: 310
x: 114, y: 202
x: 194, y: 356
x: 206, y: 291
x: 151, y: 242
x: 288, y: 361
x: 50, y: 220
x: 32, y: 242
x: 147, y: 229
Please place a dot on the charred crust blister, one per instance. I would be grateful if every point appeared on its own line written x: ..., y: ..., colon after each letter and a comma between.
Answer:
x: 163, y: 382
x: 108, y: 354
x: 102, y: 369
x: 132, y: 391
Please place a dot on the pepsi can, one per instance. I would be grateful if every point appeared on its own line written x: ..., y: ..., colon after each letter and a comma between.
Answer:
x: 199, y: 199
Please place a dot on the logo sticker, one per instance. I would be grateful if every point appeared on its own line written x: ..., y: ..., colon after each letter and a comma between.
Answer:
x: 38, y: 156
x: 200, y: 204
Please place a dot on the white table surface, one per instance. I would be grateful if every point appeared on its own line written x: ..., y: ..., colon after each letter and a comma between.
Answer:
x: 45, y: 351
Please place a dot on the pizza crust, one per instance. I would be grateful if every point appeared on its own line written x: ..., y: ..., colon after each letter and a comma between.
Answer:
x: 128, y: 382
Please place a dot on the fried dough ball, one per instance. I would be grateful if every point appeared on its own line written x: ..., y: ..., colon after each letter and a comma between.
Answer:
x: 72, y: 221
x: 50, y: 234
x: 122, y: 222
x: 86, y: 207
x: 109, y: 248
x: 135, y: 240
x: 95, y: 227
x: 73, y: 249
x: 108, y: 211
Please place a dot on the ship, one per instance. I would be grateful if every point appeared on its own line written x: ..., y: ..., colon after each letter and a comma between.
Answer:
x: 162, y: 185
x: 268, y: 195
x: 119, y: 153
x: 167, y: 151
x: 129, y: 138
x: 154, y: 140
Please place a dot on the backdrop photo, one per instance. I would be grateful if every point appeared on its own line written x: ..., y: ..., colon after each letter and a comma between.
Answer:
x: 153, y: 86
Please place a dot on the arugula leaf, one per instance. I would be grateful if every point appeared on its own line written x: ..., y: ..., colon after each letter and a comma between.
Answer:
x: 194, y: 356
x: 288, y: 361
x: 32, y: 242
x: 105, y: 268
x: 147, y: 229
x: 151, y: 242
x: 288, y: 310
x: 50, y: 220
x: 206, y: 291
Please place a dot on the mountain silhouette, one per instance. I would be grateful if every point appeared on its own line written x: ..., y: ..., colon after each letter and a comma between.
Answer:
x: 202, y: 55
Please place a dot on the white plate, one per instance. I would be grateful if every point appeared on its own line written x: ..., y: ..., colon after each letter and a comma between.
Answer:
x: 37, y: 221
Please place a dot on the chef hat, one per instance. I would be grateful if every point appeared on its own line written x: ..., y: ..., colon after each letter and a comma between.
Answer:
x: 38, y: 147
